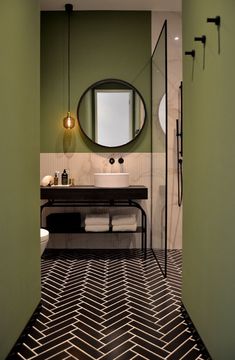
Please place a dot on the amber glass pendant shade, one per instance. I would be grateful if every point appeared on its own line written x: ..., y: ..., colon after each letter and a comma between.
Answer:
x: 69, y: 121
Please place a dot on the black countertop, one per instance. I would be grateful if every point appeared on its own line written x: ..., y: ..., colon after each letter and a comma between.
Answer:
x: 88, y: 192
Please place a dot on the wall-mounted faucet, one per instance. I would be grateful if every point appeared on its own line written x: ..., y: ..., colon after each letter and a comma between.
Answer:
x: 121, y: 160
x: 111, y: 161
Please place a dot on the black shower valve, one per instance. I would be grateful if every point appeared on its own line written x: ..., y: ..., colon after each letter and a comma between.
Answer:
x: 191, y: 53
x: 121, y: 160
x: 216, y: 20
x: 111, y: 161
x: 201, y: 38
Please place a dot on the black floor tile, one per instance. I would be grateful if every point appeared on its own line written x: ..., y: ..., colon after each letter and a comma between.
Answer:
x: 79, y: 354
x: 57, y: 334
x: 128, y: 355
x: 193, y: 354
x: 109, y: 305
x: 120, y: 331
x: 59, y: 326
x: 113, y: 327
x: 145, y: 322
x: 54, y: 343
x: 53, y: 351
x: 182, y: 350
x: 119, y: 309
x: 151, y: 347
x: 89, y: 330
x: 171, y: 320
x: 172, y: 334
x: 115, y: 353
x: 61, y: 356
x: 146, y: 353
x: 146, y: 329
x: 90, y: 322
x: 88, y: 349
x: 177, y: 342
x: 26, y: 352
x: 117, y: 342
x: 122, y: 315
x: 84, y: 336
x: 31, y: 343
x: 36, y: 334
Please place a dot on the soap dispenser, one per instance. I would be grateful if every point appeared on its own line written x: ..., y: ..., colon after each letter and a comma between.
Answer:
x: 64, y: 177
x: 56, y: 178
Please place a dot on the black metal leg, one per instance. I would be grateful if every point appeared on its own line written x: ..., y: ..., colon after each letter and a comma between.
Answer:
x: 129, y: 203
x: 145, y: 236
x: 142, y: 231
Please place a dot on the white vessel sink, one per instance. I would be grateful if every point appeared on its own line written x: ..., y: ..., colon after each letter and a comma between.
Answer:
x: 113, y: 180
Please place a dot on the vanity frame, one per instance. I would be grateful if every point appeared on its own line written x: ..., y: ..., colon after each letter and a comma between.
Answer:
x: 90, y: 196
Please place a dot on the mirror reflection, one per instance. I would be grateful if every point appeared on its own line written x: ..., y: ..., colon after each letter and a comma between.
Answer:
x: 162, y: 113
x: 111, y: 113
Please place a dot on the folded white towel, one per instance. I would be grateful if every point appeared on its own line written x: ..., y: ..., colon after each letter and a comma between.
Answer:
x: 97, y: 219
x: 124, y: 219
x: 97, y: 228
x: 126, y: 227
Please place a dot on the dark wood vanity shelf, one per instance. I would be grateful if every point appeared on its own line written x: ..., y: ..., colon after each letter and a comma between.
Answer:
x: 83, y: 192
x: 91, y: 196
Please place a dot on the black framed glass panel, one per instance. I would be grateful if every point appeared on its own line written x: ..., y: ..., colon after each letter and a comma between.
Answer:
x: 159, y: 150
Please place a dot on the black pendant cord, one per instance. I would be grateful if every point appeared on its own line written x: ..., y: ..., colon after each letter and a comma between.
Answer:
x: 69, y: 12
x: 69, y: 9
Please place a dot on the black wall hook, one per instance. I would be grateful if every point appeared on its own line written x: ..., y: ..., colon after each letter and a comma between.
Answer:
x: 216, y: 20
x: 192, y: 53
x: 201, y: 38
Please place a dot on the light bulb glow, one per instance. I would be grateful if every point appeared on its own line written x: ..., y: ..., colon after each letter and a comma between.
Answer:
x: 69, y: 121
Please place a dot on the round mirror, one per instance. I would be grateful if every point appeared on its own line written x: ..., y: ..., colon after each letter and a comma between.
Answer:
x: 111, y: 113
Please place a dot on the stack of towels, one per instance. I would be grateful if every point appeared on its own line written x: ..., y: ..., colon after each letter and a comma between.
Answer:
x: 97, y: 222
x: 124, y: 222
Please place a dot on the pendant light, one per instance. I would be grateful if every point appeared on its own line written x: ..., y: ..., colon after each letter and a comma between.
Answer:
x: 69, y: 121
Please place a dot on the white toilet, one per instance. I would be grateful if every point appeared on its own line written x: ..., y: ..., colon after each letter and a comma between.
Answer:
x: 44, y: 237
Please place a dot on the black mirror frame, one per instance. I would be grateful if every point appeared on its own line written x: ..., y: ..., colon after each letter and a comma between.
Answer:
x: 121, y: 82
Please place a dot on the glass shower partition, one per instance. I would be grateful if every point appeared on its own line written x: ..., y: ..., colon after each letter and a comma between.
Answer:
x: 159, y: 150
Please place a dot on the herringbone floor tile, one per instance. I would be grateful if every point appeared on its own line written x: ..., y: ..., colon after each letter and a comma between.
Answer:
x: 109, y: 305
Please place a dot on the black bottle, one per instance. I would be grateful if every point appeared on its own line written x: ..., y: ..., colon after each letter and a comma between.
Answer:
x: 64, y: 178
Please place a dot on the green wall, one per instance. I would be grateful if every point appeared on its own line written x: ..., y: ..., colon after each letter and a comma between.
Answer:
x: 104, y: 44
x: 209, y: 176
x: 19, y: 147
